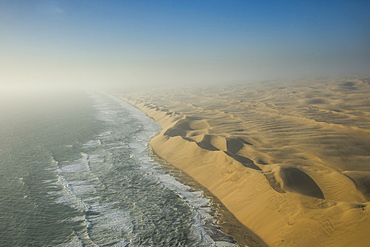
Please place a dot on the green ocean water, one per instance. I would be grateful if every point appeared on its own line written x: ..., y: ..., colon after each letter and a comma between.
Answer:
x: 75, y: 171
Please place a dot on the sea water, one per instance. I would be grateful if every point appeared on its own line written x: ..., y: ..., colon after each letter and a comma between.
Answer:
x: 75, y: 170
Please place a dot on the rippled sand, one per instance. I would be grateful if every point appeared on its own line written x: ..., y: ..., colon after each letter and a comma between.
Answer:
x: 291, y: 160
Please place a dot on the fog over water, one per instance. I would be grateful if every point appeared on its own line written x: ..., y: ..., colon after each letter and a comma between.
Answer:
x: 76, y: 171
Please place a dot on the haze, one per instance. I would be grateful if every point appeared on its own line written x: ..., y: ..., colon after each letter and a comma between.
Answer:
x: 52, y: 44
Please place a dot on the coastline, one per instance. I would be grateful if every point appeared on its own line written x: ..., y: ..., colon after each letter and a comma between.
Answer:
x: 225, y: 219
x: 282, y: 178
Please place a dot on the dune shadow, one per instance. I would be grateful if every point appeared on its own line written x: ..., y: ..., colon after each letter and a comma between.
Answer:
x: 361, y: 180
x: 295, y: 180
x: 244, y: 160
x: 234, y: 144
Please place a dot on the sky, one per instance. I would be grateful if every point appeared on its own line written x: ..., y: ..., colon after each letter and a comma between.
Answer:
x: 157, y: 43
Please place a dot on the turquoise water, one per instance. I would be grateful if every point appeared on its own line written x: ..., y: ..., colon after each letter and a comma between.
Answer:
x: 75, y: 171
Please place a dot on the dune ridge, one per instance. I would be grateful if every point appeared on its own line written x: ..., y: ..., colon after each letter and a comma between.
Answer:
x: 291, y: 160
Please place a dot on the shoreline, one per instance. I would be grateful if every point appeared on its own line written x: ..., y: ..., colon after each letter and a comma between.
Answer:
x: 288, y: 160
x: 225, y: 219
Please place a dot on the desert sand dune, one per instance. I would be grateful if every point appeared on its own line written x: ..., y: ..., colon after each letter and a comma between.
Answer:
x: 291, y: 160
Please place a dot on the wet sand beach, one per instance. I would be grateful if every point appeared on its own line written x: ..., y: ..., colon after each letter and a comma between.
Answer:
x: 289, y: 159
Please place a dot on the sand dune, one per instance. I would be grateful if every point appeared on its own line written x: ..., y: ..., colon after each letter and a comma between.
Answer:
x: 291, y: 160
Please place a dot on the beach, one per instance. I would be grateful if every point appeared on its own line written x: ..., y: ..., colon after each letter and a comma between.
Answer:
x: 289, y: 159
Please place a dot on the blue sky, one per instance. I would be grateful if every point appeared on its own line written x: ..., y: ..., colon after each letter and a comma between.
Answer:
x: 163, y: 42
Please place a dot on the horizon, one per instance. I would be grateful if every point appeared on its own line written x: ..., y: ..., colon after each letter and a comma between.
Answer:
x: 48, y: 44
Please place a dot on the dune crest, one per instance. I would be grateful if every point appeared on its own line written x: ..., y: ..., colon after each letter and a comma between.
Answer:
x: 291, y: 160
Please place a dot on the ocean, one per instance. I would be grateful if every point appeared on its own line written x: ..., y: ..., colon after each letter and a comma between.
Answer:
x: 76, y: 170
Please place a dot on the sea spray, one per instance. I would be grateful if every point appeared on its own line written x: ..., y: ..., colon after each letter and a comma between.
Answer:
x: 87, y: 179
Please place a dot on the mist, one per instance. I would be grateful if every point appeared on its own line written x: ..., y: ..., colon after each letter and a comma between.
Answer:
x: 53, y: 45
x: 184, y: 122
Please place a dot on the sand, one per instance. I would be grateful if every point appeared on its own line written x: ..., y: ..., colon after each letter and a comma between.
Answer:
x: 290, y: 160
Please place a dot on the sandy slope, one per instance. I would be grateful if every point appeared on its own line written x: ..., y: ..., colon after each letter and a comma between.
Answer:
x: 291, y: 160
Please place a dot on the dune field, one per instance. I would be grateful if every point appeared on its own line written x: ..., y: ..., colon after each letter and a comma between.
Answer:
x: 290, y: 160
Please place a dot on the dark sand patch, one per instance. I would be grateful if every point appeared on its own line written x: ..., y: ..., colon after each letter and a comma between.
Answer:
x: 172, y: 132
x: 234, y: 145
x: 361, y: 180
x: 244, y: 160
x: 295, y: 180
x: 206, y: 143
